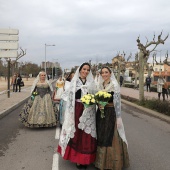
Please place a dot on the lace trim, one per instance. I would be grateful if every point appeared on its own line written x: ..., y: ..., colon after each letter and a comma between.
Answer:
x: 88, y: 121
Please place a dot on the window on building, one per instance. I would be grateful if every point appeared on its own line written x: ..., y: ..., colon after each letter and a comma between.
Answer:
x: 168, y: 79
x: 155, y: 78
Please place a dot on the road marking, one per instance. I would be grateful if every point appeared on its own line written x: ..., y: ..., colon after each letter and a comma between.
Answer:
x: 55, y: 165
x: 57, y: 134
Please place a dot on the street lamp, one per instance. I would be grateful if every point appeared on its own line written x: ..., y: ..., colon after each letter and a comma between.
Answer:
x: 52, y: 68
x: 45, y: 55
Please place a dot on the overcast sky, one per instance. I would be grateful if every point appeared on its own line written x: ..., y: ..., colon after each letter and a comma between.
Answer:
x: 84, y: 30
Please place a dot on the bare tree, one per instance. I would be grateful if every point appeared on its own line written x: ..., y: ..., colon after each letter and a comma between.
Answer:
x: 14, y: 63
x: 143, y: 56
x: 166, y: 61
x: 119, y: 64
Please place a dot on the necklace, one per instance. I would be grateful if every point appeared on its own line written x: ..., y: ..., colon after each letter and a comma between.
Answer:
x: 83, y: 79
x: 105, y: 83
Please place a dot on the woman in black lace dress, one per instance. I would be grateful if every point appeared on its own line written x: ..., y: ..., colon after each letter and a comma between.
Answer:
x: 40, y: 110
x: 112, y: 151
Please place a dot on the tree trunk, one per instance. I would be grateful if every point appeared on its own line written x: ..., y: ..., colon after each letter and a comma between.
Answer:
x: 141, y: 76
x: 118, y: 75
x: 136, y: 78
x: 123, y: 83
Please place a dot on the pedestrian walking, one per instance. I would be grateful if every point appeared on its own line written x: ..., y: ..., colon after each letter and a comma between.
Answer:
x: 18, y: 83
x: 121, y: 80
x: 160, y: 89
x: 148, y: 83
x: 75, y: 144
x: 112, y: 150
x: 40, y: 111
x: 165, y: 90
x: 14, y: 82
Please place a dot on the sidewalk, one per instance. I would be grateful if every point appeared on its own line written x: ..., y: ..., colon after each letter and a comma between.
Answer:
x: 16, y: 99
x: 135, y: 93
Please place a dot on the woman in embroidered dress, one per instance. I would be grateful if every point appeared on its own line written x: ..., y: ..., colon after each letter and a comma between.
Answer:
x: 78, y: 136
x: 40, y: 110
x: 59, y: 88
x: 112, y: 151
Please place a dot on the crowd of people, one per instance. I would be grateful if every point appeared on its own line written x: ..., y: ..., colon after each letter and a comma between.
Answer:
x: 162, y: 86
x: 85, y: 138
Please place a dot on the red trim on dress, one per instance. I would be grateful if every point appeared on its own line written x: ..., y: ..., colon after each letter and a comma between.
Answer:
x: 76, y: 157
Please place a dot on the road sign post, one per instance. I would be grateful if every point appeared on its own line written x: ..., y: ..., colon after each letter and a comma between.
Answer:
x: 8, y: 78
x: 9, y: 48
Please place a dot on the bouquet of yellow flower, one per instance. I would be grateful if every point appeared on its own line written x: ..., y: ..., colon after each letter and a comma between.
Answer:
x: 88, y: 100
x: 102, y: 99
x: 33, y: 95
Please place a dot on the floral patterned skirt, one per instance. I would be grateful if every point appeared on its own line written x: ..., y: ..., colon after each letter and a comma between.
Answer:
x: 41, y: 112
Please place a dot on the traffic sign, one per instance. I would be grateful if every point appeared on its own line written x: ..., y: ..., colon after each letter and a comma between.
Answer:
x: 8, y: 45
x: 9, y: 31
x: 9, y: 38
x: 9, y: 54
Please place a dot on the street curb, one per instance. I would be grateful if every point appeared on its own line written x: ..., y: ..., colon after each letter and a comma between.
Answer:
x: 148, y: 111
x: 15, y: 106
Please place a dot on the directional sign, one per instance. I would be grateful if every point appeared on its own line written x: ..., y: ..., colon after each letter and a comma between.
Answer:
x: 9, y: 54
x: 8, y: 45
x: 9, y: 31
x: 9, y: 37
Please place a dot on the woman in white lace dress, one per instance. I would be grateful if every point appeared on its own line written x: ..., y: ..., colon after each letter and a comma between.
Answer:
x: 78, y: 136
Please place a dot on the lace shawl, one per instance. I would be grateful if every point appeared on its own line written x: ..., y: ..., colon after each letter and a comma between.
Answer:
x: 68, y: 128
x: 115, y: 87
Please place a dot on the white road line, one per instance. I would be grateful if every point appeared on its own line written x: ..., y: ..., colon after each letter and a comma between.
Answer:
x: 57, y: 134
x: 55, y: 165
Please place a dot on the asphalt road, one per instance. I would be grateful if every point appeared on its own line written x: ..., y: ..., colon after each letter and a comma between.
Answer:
x: 22, y: 148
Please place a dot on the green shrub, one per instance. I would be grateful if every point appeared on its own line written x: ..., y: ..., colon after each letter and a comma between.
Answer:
x: 157, y: 105
x: 153, y: 104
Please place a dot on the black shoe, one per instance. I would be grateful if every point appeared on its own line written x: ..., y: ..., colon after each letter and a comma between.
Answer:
x: 85, y: 166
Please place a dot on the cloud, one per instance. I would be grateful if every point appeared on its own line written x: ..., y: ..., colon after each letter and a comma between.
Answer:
x: 84, y: 30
